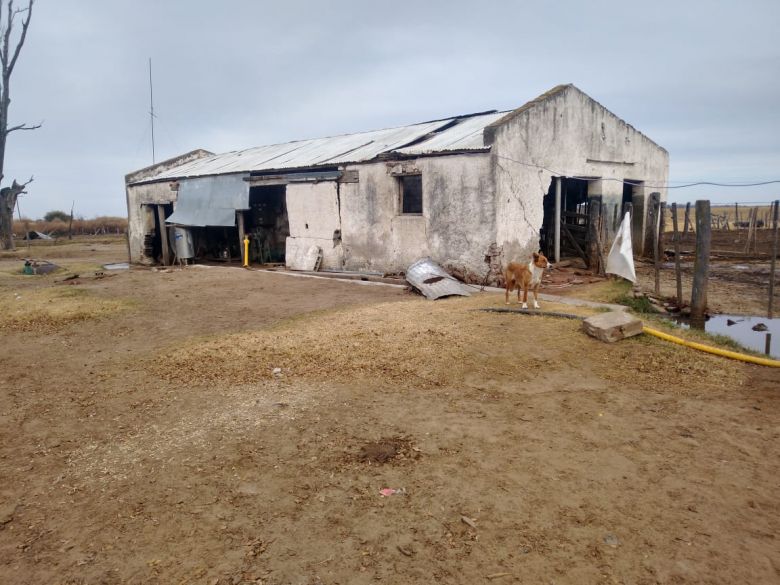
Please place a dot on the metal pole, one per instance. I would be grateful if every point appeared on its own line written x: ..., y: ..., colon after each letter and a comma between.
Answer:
x: 557, y: 219
x: 774, y: 260
x: 151, y: 105
x: 677, y: 269
x: 701, y: 266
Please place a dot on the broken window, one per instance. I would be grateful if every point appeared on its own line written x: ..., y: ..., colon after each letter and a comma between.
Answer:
x: 411, y: 194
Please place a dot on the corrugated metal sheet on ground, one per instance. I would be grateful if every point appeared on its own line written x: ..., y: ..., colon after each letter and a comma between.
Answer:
x: 466, y: 134
x: 432, y: 281
x: 210, y: 201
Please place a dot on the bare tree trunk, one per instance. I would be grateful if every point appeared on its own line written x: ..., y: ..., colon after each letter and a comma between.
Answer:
x: 9, y: 53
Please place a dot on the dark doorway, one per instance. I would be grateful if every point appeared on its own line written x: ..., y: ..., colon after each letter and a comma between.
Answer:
x: 574, y: 218
x: 153, y: 245
x: 266, y: 224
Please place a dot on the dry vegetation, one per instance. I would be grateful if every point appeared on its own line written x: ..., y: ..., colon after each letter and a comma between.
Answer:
x: 727, y: 212
x: 59, y: 229
x: 164, y: 449
x: 52, y: 309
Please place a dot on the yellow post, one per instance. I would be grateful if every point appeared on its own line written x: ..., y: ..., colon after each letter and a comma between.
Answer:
x: 246, y: 251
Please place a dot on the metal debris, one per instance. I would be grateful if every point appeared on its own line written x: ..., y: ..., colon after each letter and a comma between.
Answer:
x: 432, y: 281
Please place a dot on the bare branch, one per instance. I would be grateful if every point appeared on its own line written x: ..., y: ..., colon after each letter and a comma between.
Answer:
x: 7, y: 41
x: 25, y: 25
x: 23, y: 127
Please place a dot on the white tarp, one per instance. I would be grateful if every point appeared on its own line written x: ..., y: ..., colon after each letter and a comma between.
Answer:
x: 621, y: 255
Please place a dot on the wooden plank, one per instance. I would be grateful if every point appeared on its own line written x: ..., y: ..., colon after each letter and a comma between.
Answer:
x: 594, y: 206
x: 241, y: 232
x: 701, y: 265
x: 557, y: 242
x: 574, y: 243
x: 677, y: 270
x: 166, y: 249
x: 774, y: 259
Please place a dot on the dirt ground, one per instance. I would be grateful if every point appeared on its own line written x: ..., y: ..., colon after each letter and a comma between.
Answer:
x: 146, y: 436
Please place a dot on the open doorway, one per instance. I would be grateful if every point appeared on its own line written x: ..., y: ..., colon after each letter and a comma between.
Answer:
x: 574, y: 218
x: 154, y: 248
x: 266, y: 224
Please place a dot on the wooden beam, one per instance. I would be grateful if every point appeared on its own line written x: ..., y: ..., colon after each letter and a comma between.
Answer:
x: 166, y: 247
x: 557, y: 242
x: 677, y: 269
x: 701, y: 265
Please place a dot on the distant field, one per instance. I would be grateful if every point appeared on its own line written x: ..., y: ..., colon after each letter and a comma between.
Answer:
x: 727, y: 213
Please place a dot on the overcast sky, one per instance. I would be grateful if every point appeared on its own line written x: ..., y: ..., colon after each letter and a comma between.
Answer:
x: 700, y: 78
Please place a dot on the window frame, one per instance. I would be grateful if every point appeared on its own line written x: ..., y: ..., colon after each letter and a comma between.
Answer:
x: 402, y: 192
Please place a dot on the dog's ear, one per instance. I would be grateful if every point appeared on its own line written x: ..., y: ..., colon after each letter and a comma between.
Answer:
x: 536, y: 256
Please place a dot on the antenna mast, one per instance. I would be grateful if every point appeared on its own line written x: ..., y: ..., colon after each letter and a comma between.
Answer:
x: 151, y: 106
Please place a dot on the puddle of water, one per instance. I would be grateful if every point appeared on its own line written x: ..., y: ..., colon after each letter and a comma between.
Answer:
x: 740, y: 329
x: 117, y: 266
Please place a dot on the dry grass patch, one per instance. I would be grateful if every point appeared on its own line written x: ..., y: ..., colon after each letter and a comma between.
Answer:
x: 51, y: 309
x: 420, y: 342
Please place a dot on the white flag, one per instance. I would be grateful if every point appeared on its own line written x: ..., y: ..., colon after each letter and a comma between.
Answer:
x: 621, y: 255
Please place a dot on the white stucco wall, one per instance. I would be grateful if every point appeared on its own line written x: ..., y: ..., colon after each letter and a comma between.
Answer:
x: 561, y: 133
x: 456, y: 227
x: 139, y: 217
x: 313, y: 215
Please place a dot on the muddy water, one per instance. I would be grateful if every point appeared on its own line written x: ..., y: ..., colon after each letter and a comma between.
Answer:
x: 740, y: 328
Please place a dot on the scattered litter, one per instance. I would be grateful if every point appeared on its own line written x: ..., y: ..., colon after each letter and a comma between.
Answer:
x: 33, y: 235
x: 387, y: 492
x: 117, y: 266
x: 611, y: 540
x: 431, y: 280
x: 760, y: 327
x: 470, y: 521
x: 277, y: 372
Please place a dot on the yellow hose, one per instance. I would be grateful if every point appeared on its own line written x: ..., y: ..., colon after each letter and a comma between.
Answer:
x: 714, y: 350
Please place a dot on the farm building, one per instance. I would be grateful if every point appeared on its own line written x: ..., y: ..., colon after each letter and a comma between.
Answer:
x: 461, y: 190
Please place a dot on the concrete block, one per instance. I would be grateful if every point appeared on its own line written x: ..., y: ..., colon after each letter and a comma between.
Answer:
x: 612, y: 326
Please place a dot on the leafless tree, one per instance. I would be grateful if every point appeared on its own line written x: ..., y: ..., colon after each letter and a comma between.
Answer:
x: 10, y: 47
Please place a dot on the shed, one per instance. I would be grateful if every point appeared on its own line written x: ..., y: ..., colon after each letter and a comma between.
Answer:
x: 459, y: 190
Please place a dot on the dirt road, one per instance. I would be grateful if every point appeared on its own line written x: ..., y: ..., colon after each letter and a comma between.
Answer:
x: 151, y: 441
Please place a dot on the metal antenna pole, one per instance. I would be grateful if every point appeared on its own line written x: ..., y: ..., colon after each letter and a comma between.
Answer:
x: 151, y: 105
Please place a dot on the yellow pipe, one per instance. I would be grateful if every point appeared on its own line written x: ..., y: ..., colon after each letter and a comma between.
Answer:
x: 714, y: 350
x: 246, y: 251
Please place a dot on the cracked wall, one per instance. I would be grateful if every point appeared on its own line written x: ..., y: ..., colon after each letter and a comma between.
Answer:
x: 567, y: 134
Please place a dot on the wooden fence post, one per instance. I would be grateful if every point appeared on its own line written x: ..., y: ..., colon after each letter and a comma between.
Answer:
x: 651, y: 229
x: 701, y: 266
x: 774, y: 259
x: 687, y: 218
x: 736, y: 214
x: 594, y: 209
x: 677, y: 270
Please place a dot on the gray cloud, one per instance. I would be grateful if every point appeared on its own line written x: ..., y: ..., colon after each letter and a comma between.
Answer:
x: 700, y: 78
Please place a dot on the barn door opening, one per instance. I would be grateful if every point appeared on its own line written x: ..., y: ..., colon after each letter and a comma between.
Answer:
x: 157, y: 246
x: 266, y: 224
x: 574, y: 219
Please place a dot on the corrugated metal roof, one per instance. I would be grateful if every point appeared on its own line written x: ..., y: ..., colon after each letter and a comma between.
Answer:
x: 465, y: 135
x: 459, y: 133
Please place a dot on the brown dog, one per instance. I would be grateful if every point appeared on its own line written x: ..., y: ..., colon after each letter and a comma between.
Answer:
x: 526, y: 276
